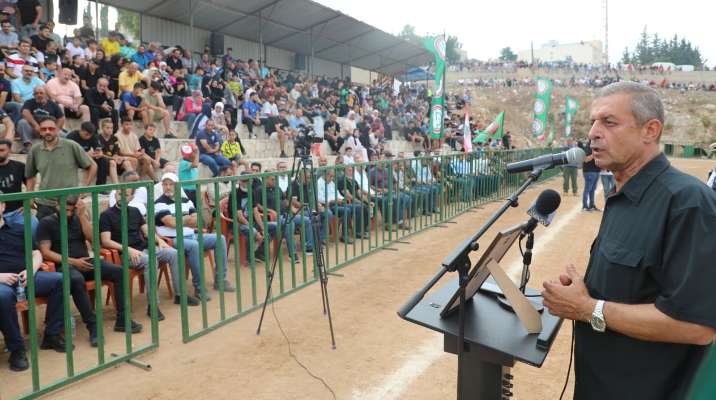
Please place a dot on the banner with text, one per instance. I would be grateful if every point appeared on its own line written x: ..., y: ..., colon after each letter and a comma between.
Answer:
x: 436, y: 45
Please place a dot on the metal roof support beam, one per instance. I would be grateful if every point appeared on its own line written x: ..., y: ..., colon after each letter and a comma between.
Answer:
x: 380, y: 51
x: 154, y: 7
x: 347, y: 41
x: 249, y: 14
x: 299, y: 30
x: 403, y: 61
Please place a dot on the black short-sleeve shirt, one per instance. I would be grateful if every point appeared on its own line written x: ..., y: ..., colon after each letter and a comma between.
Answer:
x: 111, y: 221
x: 150, y: 146
x: 12, y: 176
x: 49, y: 229
x: 655, y: 246
x: 110, y: 147
x: 86, y: 144
x: 39, y: 110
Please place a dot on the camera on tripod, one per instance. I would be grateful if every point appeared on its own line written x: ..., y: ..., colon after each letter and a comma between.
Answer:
x: 306, y: 137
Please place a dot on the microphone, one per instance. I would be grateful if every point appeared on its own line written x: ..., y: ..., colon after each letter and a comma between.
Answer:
x: 543, y: 210
x: 575, y: 155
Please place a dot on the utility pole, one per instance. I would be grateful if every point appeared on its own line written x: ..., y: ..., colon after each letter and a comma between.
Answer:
x: 606, y: 32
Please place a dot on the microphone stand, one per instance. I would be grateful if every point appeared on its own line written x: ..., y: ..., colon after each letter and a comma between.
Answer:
x: 459, y: 261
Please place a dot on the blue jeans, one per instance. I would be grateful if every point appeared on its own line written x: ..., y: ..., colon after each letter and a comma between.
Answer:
x: 214, y: 162
x: 428, y: 195
x: 590, y: 186
x: 608, y: 183
x: 191, y: 248
x: 303, y: 223
x: 47, y: 284
x: 345, y: 212
x: 13, y: 110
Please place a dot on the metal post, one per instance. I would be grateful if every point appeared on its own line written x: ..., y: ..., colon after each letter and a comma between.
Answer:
x: 310, y: 64
x: 261, y: 40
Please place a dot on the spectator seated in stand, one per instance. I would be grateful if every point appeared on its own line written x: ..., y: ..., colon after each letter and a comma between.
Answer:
x: 209, y: 144
x: 80, y: 264
x: 33, y: 112
x: 156, y: 109
x: 88, y: 139
x: 65, y: 92
x: 152, y: 151
x: 100, y: 101
x: 132, y: 105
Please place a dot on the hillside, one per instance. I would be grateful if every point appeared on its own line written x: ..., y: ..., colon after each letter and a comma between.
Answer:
x: 690, y: 116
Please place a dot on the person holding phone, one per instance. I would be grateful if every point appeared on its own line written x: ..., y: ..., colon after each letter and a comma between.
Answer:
x: 81, y: 266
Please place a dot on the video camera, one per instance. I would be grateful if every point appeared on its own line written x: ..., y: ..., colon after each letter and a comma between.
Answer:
x: 306, y: 137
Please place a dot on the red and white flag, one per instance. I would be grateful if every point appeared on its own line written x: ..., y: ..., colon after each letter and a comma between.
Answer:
x: 466, y: 133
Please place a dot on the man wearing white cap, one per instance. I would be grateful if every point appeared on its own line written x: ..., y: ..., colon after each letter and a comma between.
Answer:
x: 165, y: 216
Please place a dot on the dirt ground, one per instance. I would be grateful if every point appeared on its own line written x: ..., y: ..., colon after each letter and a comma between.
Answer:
x: 378, y: 355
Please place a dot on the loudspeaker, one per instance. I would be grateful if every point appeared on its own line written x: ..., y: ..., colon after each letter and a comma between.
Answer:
x: 299, y: 62
x: 68, y: 12
x: 216, y: 43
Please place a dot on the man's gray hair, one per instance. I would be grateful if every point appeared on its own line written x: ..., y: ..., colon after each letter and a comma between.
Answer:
x: 645, y: 102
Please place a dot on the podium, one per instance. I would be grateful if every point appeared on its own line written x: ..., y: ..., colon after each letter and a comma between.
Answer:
x: 495, y: 340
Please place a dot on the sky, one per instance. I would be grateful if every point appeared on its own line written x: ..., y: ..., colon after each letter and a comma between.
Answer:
x: 485, y: 27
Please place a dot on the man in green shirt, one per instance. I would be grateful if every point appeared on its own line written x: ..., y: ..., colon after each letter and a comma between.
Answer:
x: 57, y: 160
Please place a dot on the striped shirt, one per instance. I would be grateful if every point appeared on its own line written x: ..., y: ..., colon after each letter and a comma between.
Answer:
x: 163, y: 207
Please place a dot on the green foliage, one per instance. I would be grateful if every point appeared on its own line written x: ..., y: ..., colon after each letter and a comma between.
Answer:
x: 507, y: 54
x: 129, y: 24
x: 652, y: 48
x: 452, y: 46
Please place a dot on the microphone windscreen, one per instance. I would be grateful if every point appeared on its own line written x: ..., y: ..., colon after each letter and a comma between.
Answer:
x: 575, y: 155
x: 548, y: 201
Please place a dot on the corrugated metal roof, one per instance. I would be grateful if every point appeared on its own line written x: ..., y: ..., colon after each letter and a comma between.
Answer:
x: 290, y: 25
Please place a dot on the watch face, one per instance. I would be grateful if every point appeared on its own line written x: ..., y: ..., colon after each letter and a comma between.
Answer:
x: 598, y: 324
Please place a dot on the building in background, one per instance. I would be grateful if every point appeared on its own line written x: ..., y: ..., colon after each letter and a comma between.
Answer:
x: 585, y: 52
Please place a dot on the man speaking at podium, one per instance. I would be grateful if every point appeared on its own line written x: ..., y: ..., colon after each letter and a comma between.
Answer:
x: 645, y: 311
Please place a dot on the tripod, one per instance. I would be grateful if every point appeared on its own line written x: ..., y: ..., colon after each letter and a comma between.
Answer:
x: 305, y: 166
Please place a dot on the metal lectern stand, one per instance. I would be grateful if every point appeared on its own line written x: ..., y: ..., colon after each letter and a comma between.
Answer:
x: 494, y: 340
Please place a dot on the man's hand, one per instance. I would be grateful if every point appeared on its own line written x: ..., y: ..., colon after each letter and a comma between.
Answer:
x: 134, y: 255
x: 569, y: 298
x: 82, y: 264
x: 80, y: 207
x: 22, y: 276
x: 8, y: 279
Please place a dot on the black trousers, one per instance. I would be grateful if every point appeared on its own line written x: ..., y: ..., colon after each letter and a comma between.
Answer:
x: 110, y: 272
x: 97, y: 113
x: 102, y: 169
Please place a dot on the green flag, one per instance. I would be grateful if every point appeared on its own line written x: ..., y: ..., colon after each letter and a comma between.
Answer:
x: 541, y: 108
x: 496, y: 128
x: 481, y: 138
x: 704, y: 386
x: 571, y: 105
x: 436, y: 45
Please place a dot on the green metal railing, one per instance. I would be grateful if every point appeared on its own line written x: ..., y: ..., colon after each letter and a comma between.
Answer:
x: 685, y: 150
x: 424, y: 192
x: 39, y: 383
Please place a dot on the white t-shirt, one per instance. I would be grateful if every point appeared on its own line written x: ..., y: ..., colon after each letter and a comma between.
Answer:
x: 269, y: 110
x: 75, y: 51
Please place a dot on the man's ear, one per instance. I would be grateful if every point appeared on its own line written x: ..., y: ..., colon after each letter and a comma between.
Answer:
x: 651, y: 131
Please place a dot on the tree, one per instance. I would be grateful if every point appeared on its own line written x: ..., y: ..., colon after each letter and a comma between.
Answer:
x: 452, y: 49
x: 651, y: 49
x: 408, y: 33
x: 507, y: 54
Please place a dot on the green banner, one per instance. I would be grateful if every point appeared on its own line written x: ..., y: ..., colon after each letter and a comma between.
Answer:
x: 704, y: 386
x: 550, y: 138
x: 541, y: 108
x: 571, y: 105
x: 436, y: 45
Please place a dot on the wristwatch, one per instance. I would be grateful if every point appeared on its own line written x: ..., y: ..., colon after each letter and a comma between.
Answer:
x: 598, y: 322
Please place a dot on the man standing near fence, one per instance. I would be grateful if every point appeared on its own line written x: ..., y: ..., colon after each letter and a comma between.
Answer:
x: 569, y: 172
x: 590, y: 170
x: 56, y: 160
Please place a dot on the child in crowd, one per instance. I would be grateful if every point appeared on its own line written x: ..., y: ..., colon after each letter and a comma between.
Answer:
x: 217, y: 114
x: 231, y: 149
x: 152, y: 152
x: 189, y: 169
x: 348, y: 156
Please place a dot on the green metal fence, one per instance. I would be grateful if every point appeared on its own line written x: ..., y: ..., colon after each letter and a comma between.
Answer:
x: 385, y: 202
x: 423, y: 193
x: 43, y: 379
x: 685, y: 150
